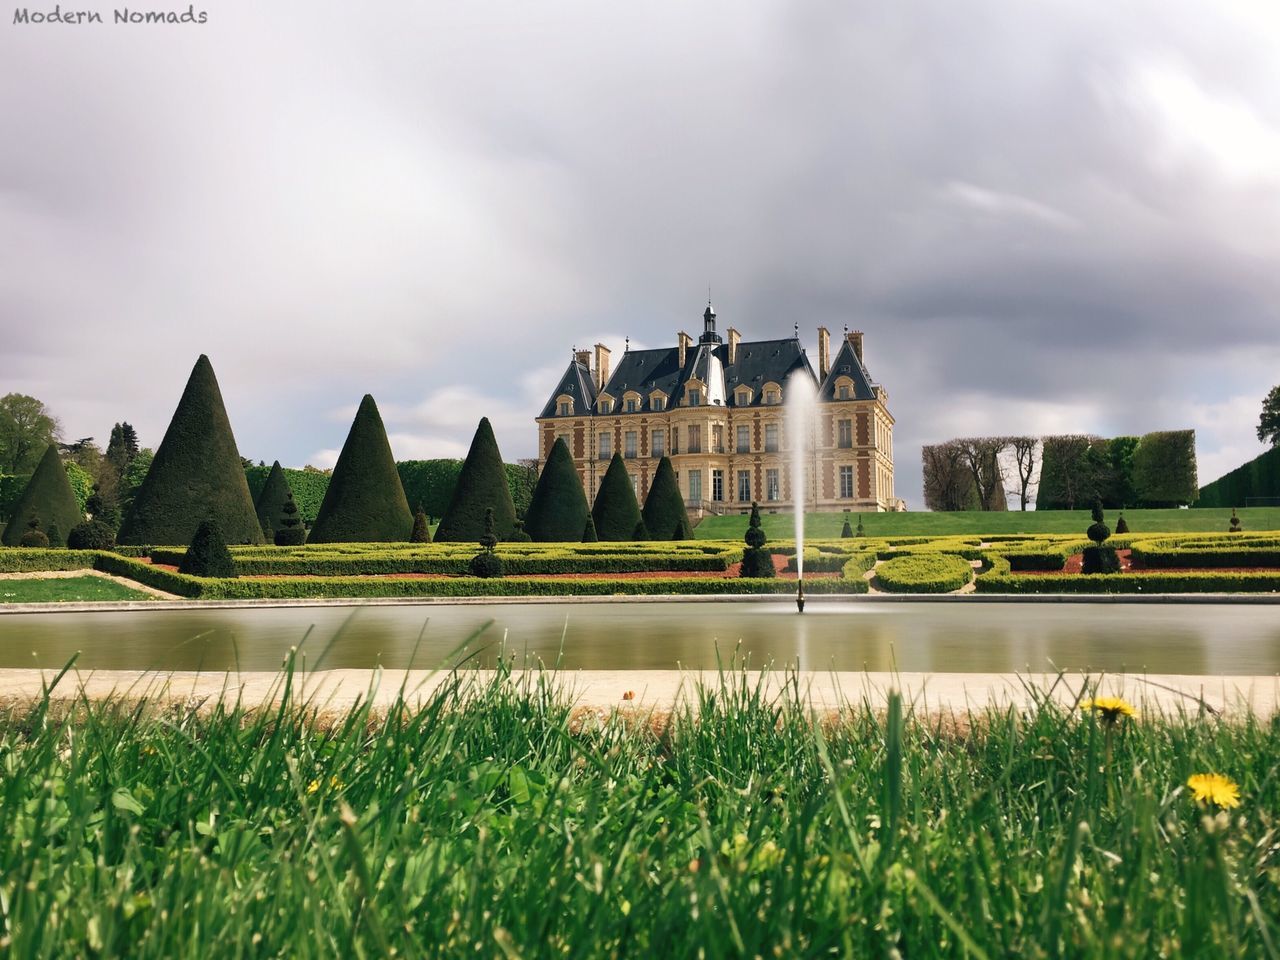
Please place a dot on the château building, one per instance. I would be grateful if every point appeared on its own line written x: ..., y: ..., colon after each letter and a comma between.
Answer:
x: 717, y: 408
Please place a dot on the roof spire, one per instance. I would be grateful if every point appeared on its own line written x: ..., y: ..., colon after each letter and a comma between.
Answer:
x: 628, y: 346
x: 797, y: 329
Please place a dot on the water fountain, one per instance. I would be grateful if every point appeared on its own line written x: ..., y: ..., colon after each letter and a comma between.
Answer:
x: 800, y: 399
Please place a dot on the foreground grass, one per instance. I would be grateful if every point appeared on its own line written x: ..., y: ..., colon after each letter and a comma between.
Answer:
x: 492, y: 822
x: 66, y: 590
x: 925, y: 523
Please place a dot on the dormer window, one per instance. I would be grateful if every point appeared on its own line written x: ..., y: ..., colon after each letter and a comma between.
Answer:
x: 657, y: 403
x: 844, y: 392
x: 744, y: 398
x: 844, y: 389
x: 606, y: 405
x: 632, y: 405
x: 565, y: 408
x: 695, y: 398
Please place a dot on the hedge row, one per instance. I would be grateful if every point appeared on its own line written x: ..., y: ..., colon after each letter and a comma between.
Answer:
x: 923, y: 573
x: 1172, y: 553
x: 152, y: 576
x: 458, y: 564
x: 1260, y: 477
x: 43, y: 559
x: 360, y: 587
x: 1000, y: 580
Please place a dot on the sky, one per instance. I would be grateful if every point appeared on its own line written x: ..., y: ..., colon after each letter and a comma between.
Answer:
x: 1046, y: 217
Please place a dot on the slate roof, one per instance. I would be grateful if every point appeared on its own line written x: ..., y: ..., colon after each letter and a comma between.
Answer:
x: 846, y: 364
x: 577, y: 383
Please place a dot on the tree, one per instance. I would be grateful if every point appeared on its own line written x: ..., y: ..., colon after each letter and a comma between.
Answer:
x: 292, y: 532
x: 1067, y: 476
x: 664, y: 513
x: 948, y: 483
x: 365, y: 501
x: 48, y: 497
x: 981, y: 457
x: 756, y: 561
x: 482, y: 485
x: 522, y: 478
x: 122, y: 447
x: 1269, y: 421
x: 1098, y: 558
x: 1164, y: 468
x: 616, y: 512
x: 207, y: 555
x: 271, y: 500
x: 421, y: 532
x: 196, y: 474
x: 558, y: 510
x: 26, y: 429
x: 1025, y: 452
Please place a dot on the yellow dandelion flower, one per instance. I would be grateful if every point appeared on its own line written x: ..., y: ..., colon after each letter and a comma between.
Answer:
x: 313, y: 786
x: 1214, y: 788
x: 1111, y: 708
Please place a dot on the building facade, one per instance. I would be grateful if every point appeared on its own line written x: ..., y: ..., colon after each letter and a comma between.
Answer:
x: 717, y: 407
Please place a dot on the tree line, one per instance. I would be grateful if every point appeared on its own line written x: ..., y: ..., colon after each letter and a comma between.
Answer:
x: 1061, y: 472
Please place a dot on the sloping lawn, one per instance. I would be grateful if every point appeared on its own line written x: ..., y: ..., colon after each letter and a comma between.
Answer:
x: 924, y: 523
x: 66, y: 590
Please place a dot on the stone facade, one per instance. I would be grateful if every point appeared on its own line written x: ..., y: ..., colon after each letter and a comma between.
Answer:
x: 718, y: 411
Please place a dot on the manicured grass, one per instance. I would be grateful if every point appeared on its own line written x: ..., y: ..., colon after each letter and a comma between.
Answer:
x: 492, y: 823
x: 924, y: 523
x: 66, y: 590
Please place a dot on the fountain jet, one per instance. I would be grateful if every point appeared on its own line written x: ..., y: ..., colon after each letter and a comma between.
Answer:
x: 801, y: 399
x: 800, y: 596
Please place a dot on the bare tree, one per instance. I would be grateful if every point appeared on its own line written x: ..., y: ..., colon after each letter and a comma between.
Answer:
x: 981, y: 457
x: 948, y: 484
x: 1025, y: 452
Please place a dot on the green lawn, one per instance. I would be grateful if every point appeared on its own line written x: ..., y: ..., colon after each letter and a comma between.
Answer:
x: 924, y: 523
x: 490, y: 823
x: 66, y: 590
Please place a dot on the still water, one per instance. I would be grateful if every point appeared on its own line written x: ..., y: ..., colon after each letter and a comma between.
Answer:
x: 937, y: 637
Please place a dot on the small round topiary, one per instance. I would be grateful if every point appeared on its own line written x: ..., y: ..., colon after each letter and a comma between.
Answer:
x: 1099, y: 559
x: 291, y: 537
x: 861, y: 531
x: 1236, y: 526
x: 486, y: 564
x: 1098, y: 531
x: 92, y: 535
x: 519, y: 534
x: 756, y: 561
x: 33, y: 536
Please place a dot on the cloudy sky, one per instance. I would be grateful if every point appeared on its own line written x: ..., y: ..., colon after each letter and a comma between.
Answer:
x: 1057, y: 216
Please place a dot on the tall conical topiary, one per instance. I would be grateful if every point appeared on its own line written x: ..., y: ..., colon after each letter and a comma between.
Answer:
x: 365, y: 502
x: 482, y: 485
x: 558, y: 511
x: 196, y: 474
x: 616, y: 512
x: 48, y: 496
x: 421, y: 532
x: 271, y: 500
x: 664, y: 513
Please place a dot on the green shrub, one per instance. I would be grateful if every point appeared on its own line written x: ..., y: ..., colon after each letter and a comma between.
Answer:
x: 1098, y: 531
x: 291, y: 537
x: 482, y: 485
x: 616, y: 513
x: 365, y: 502
x: 1164, y: 468
x: 33, y: 536
x: 664, y: 513
x: 42, y: 559
x: 757, y: 562
x: 421, y: 527
x: 270, y: 502
x: 486, y: 564
x: 291, y: 532
x: 308, y: 486
x: 196, y: 473
x: 519, y: 535
x: 558, y: 511
x: 48, y: 496
x: 208, y: 556
x: 1235, y: 522
x: 589, y: 532
x: 847, y: 529
x: 91, y: 535
x: 1260, y: 477
x: 924, y: 573
x: 1100, y: 559
x: 1121, y: 525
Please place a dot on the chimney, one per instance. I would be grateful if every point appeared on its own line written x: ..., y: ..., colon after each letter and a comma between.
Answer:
x: 686, y: 342
x: 734, y: 337
x: 602, y: 365
x: 824, y: 352
x: 855, y: 341
x: 583, y: 357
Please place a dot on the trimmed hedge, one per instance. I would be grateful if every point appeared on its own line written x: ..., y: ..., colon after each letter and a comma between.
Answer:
x: 42, y: 559
x: 48, y: 496
x: 664, y: 513
x: 482, y: 485
x: 558, y: 512
x: 616, y: 512
x: 923, y: 573
x: 1260, y: 552
x: 365, y: 501
x: 308, y: 488
x: 196, y: 475
x: 1260, y: 477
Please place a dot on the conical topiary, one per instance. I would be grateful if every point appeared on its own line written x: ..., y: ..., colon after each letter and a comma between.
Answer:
x: 756, y: 561
x: 47, y: 495
x: 558, y: 510
x: 664, y: 513
x: 1121, y: 525
x: 208, y: 556
x: 616, y: 513
x: 421, y: 532
x: 846, y: 530
x: 271, y: 500
x: 292, y: 532
x: 589, y: 531
x: 365, y: 501
x: 196, y: 474
x: 482, y: 485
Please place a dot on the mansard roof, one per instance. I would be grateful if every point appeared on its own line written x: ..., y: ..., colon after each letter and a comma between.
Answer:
x: 847, y: 364
x: 645, y: 371
x: 763, y: 361
x: 577, y: 383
